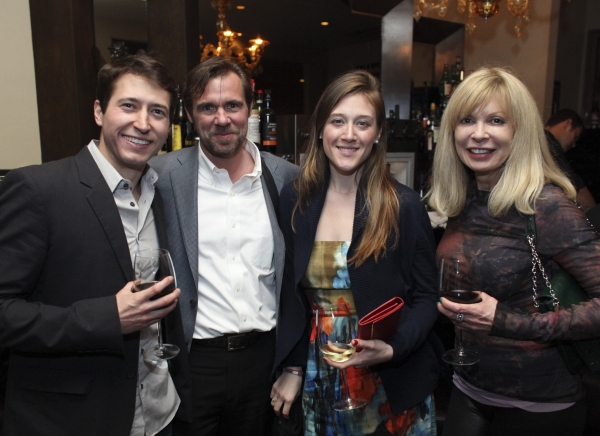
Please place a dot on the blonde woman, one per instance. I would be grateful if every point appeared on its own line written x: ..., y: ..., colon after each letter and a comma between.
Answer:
x: 355, y: 235
x: 492, y: 167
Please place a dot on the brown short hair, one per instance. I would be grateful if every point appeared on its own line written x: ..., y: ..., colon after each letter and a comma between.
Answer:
x: 198, y: 78
x: 141, y: 65
x: 564, y: 115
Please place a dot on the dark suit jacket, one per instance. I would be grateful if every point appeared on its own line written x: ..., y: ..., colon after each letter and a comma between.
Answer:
x: 178, y: 181
x: 408, y: 272
x: 63, y: 257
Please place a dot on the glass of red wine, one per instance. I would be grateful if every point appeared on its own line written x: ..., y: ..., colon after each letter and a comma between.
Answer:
x: 150, y: 267
x: 458, y: 283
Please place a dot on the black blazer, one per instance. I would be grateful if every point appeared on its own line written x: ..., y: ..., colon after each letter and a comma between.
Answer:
x: 408, y: 271
x: 63, y: 257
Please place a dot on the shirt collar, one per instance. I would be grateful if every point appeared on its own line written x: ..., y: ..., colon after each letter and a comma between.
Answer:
x: 114, y: 180
x: 205, y: 166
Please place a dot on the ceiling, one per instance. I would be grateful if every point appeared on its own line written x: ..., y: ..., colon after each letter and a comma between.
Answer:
x: 293, y: 27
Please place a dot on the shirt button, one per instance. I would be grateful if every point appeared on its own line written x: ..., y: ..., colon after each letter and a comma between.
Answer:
x: 212, y: 183
x: 132, y: 204
x: 232, y: 257
x: 237, y: 288
x: 233, y: 225
x: 244, y: 319
x: 126, y: 186
x: 233, y: 194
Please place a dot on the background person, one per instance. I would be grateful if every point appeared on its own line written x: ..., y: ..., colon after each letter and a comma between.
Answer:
x: 563, y: 129
x: 491, y: 168
x: 355, y: 235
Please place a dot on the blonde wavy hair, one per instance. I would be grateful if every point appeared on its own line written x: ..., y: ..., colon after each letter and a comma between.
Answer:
x: 529, y: 166
x: 382, y: 204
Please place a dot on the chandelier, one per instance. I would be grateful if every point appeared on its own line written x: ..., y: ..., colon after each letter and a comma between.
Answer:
x: 227, y: 47
x: 480, y: 8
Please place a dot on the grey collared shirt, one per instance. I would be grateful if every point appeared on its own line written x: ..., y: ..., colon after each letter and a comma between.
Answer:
x: 156, y: 398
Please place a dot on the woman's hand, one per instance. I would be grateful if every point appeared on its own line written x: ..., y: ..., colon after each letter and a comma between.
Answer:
x: 284, y: 392
x: 475, y: 317
x: 371, y: 352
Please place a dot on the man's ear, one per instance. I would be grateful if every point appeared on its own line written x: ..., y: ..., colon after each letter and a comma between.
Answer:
x: 98, y: 115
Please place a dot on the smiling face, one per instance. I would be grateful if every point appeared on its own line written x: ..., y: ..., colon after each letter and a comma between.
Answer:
x: 349, y: 134
x: 483, y: 142
x: 135, y: 124
x: 221, y: 116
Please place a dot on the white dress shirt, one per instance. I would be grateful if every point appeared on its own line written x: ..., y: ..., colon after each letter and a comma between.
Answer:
x: 236, y: 274
x: 156, y: 398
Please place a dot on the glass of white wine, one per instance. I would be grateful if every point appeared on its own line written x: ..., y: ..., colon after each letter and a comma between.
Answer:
x: 336, y: 329
x: 150, y: 267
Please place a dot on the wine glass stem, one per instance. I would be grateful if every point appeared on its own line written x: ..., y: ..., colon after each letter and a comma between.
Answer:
x: 460, y: 342
x: 158, y: 329
x: 346, y: 393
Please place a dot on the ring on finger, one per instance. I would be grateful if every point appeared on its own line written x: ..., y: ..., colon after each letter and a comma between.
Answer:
x: 274, y: 400
x: 460, y: 317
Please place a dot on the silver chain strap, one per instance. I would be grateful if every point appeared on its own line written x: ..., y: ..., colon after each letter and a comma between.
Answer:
x: 536, y: 264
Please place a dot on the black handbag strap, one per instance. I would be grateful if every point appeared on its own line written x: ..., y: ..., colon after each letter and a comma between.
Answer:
x: 271, y: 186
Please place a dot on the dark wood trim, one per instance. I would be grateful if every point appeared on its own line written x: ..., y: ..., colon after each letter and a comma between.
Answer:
x: 65, y: 74
x: 592, y: 73
x: 173, y: 35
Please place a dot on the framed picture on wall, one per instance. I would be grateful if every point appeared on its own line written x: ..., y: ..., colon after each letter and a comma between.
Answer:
x: 402, y: 167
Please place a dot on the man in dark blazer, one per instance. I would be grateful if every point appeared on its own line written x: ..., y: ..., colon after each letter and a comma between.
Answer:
x: 228, y: 251
x: 68, y: 232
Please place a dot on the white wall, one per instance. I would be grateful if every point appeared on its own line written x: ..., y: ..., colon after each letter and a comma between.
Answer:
x: 20, y: 143
x: 531, y: 57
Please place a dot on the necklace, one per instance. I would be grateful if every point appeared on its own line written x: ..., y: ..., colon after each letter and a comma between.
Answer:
x: 342, y: 193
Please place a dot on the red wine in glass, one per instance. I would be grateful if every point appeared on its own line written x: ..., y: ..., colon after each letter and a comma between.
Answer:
x: 457, y: 284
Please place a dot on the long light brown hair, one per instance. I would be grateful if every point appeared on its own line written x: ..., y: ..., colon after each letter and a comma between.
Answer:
x: 382, y: 204
x: 529, y: 166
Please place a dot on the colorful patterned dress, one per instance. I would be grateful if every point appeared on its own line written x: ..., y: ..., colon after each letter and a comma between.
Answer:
x: 327, y: 281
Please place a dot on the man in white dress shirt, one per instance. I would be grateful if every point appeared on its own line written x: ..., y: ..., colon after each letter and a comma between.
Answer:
x: 221, y: 201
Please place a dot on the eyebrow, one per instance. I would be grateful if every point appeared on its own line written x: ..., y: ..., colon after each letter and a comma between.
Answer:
x: 335, y: 114
x: 137, y: 100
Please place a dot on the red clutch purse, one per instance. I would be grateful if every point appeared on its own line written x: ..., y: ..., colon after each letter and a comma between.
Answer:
x: 381, y: 323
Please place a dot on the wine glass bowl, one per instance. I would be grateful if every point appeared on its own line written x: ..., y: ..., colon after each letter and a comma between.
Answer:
x: 150, y: 267
x: 459, y: 283
x: 336, y: 330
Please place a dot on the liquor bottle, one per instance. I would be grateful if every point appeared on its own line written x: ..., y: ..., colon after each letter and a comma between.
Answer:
x: 268, y: 130
x: 445, y: 83
x: 435, y: 124
x: 458, y: 70
x: 254, y: 119
x: 178, y: 125
x: 259, y: 106
x: 192, y: 138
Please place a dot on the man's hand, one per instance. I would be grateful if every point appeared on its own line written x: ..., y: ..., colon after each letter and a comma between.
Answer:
x: 284, y: 393
x: 137, y: 312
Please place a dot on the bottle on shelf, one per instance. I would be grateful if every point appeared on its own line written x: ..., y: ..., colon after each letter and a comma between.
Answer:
x: 178, y: 124
x: 435, y: 124
x: 192, y: 138
x: 458, y: 70
x: 254, y: 119
x: 268, y: 123
x: 445, y: 82
x: 259, y: 106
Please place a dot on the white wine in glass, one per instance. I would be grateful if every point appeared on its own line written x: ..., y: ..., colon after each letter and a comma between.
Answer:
x: 150, y: 267
x: 336, y: 329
